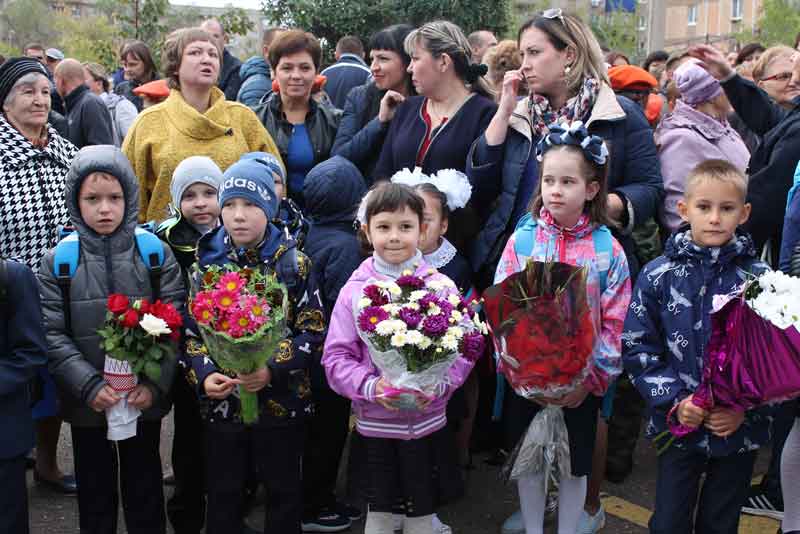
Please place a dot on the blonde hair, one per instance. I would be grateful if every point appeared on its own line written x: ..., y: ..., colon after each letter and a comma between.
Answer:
x: 568, y: 31
x: 770, y: 55
x: 716, y: 169
x: 443, y: 37
x: 98, y: 73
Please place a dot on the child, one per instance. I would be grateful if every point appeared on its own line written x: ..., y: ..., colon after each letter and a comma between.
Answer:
x: 248, y: 239
x: 568, y: 208
x: 102, y: 196
x: 666, y: 332
x: 24, y: 349
x: 194, y: 188
x: 399, y: 444
x: 332, y: 191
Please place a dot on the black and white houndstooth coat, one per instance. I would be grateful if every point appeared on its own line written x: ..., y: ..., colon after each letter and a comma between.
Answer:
x: 32, y: 203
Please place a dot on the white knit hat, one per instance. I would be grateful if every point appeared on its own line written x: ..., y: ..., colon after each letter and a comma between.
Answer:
x: 192, y: 170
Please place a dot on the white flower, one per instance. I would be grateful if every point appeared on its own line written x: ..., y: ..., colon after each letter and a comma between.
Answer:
x: 398, y: 325
x: 424, y: 343
x: 413, y: 306
x: 457, y: 315
x: 384, y: 328
x: 364, y: 302
x: 395, y: 290
x: 433, y: 309
x: 456, y: 332
x: 436, y: 285
x: 154, y: 326
x: 399, y: 339
x: 453, y: 299
x: 391, y: 309
x: 416, y: 295
x: 414, y: 337
x: 450, y: 342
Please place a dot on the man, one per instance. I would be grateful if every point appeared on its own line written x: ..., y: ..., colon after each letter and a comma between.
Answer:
x: 88, y: 118
x: 256, y: 74
x: 349, y: 70
x: 229, y: 81
x: 52, y: 57
x: 481, y: 41
x: 37, y: 52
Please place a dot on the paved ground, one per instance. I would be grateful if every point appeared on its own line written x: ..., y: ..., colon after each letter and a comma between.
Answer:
x: 482, y: 512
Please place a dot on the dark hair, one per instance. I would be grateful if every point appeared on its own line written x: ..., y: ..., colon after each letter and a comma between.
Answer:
x: 747, y: 51
x: 350, y: 44
x: 431, y: 189
x: 392, y: 38
x: 33, y: 46
x: 597, y: 209
x: 797, y: 41
x: 658, y: 55
x: 292, y: 42
x: 142, y: 52
x: 2, y: 59
x: 612, y: 56
x: 387, y: 196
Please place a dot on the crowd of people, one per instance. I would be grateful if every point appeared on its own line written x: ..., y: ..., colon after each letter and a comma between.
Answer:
x: 283, y: 165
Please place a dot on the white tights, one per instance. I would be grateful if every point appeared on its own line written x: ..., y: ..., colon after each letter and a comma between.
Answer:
x: 790, y: 472
x: 571, y: 497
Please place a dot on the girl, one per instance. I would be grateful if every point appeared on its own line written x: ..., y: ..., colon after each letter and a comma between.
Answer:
x: 399, y: 445
x: 569, y: 206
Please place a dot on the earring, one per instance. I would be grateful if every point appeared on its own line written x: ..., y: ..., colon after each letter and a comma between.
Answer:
x: 567, y: 69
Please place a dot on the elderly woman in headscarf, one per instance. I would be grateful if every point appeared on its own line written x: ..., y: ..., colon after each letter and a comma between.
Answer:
x: 34, y: 160
x: 696, y: 130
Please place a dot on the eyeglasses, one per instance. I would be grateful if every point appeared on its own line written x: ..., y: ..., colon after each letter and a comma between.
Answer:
x: 780, y: 77
x: 554, y: 13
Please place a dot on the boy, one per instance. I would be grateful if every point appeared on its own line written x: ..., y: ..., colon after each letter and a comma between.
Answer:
x: 102, y: 196
x: 194, y: 189
x: 666, y: 332
x: 248, y: 238
x: 23, y: 346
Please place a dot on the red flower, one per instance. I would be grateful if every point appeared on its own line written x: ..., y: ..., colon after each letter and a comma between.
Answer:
x: 130, y: 319
x: 117, y: 304
x: 175, y: 335
x: 144, y: 306
x: 168, y: 313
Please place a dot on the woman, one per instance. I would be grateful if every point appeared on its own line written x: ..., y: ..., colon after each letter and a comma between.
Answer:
x: 123, y: 111
x: 138, y: 67
x: 303, y: 129
x: 501, y: 58
x: 617, y: 59
x: 194, y: 119
x: 34, y: 160
x: 696, y: 130
x: 773, y: 73
x: 371, y: 107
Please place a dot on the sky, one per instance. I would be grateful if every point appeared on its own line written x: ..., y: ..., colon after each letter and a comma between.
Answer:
x: 246, y: 4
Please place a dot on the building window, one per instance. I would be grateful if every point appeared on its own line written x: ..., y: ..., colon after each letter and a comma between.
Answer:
x: 642, y: 23
x: 76, y: 11
x: 736, y: 9
x: 693, y: 15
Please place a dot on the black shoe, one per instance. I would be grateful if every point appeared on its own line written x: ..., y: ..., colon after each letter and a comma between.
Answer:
x: 169, y: 480
x: 66, y: 484
x: 30, y: 462
x: 618, y: 469
x: 758, y: 503
x: 326, y: 521
x: 350, y: 512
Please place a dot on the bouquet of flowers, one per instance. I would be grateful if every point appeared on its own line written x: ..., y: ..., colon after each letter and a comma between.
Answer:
x: 753, y: 356
x: 415, y: 328
x: 544, y: 336
x: 242, y: 315
x: 137, y: 336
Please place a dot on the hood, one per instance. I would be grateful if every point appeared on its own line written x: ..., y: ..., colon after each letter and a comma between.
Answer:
x: 332, y: 191
x: 254, y: 65
x: 108, y: 159
x: 680, y: 246
x: 685, y: 116
x: 111, y: 99
x: 549, y: 226
x: 217, y: 248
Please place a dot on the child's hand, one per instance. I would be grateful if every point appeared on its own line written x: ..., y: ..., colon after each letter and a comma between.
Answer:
x: 219, y: 386
x: 381, y: 396
x: 689, y: 414
x: 574, y: 398
x: 105, y: 398
x: 256, y: 381
x: 722, y: 422
x: 141, y: 397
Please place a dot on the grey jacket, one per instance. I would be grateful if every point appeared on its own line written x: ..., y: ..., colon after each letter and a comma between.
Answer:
x: 107, y: 264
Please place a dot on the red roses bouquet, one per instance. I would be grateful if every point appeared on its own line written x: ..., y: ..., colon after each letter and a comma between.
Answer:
x: 544, y: 336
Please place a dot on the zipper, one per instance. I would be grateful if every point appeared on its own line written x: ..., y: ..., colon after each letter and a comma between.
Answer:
x: 434, y: 131
x: 109, y: 273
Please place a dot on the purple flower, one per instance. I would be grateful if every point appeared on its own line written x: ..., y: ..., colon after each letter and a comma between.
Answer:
x: 374, y: 293
x: 435, y: 325
x: 473, y: 345
x: 413, y: 282
x: 412, y: 318
x: 369, y: 318
x: 425, y: 302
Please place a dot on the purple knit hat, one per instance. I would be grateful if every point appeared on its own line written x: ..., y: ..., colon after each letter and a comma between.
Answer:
x: 696, y: 84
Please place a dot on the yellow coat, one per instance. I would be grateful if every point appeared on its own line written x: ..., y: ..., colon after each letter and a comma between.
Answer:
x: 169, y: 132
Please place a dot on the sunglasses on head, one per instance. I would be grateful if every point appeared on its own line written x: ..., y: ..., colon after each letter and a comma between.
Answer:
x: 554, y: 13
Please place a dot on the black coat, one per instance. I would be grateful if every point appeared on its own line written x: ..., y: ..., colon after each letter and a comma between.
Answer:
x: 88, y: 119
x: 360, y: 135
x: 229, y: 80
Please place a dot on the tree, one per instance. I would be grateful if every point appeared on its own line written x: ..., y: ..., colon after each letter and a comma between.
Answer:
x: 617, y: 31
x: 778, y: 23
x: 236, y: 21
x: 92, y: 39
x: 29, y: 21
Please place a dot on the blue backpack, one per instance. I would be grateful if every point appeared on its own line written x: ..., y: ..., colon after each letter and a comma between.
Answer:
x: 525, y: 233
x: 67, y: 256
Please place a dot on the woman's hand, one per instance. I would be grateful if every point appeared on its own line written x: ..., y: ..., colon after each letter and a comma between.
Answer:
x: 498, y: 128
x: 256, y: 381
x: 105, y: 398
x: 219, y: 386
x: 389, y: 104
x: 712, y: 60
x: 689, y: 414
x: 722, y: 422
x: 141, y: 397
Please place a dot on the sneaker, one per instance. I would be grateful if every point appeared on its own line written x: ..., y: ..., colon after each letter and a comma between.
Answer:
x: 439, y: 527
x: 351, y: 512
x: 551, y: 506
x: 514, y: 524
x: 589, y: 524
x: 758, y: 503
x: 326, y: 521
x: 399, y: 521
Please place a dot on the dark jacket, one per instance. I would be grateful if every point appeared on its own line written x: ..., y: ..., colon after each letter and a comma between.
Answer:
x: 773, y: 163
x: 256, y: 79
x: 229, y: 81
x: 107, y: 264
x: 88, y: 119
x: 349, y: 72
x: 791, y: 227
x: 333, y: 190
x: 23, y: 346
x: 634, y: 173
x: 291, y: 217
x: 287, y: 399
x: 182, y: 239
x: 126, y: 89
x: 668, y: 327
x: 360, y: 135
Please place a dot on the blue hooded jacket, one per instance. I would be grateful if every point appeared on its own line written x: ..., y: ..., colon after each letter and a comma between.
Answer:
x: 668, y: 327
x: 256, y: 81
x: 791, y: 224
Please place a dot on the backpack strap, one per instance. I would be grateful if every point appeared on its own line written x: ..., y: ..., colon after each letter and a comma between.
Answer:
x: 524, y: 235
x: 151, y: 250
x: 604, y: 252
x: 65, y: 263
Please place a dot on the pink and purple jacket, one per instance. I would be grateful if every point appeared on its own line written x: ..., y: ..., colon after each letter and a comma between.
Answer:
x: 352, y: 374
x: 575, y: 246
